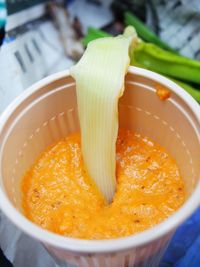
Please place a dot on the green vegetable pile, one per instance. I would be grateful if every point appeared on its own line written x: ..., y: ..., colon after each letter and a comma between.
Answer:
x: 154, y: 54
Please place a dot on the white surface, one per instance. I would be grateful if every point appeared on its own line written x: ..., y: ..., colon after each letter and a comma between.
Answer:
x: 91, y: 15
x: 19, y: 248
x: 22, y: 17
x: 50, y: 60
x: 179, y: 24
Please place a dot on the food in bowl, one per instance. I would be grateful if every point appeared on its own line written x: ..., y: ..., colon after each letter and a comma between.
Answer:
x: 93, y: 185
x: 59, y: 196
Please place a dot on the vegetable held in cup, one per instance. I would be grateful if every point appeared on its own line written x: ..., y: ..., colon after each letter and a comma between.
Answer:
x: 97, y: 95
x: 154, y: 58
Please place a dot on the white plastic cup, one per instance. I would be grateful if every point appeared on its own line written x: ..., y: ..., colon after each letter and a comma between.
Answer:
x: 47, y: 111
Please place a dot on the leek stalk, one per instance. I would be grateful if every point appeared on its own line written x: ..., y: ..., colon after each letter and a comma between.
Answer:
x: 99, y: 77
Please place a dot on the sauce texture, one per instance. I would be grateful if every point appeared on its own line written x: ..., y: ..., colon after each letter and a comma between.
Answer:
x: 58, y: 195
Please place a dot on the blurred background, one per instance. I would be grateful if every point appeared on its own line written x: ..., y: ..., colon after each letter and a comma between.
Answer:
x: 39, y: 37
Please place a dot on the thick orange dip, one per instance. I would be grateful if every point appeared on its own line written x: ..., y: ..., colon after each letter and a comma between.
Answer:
x: 59, y: 196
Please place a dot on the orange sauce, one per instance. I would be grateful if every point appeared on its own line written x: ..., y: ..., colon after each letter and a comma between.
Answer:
x: 58, y: 195
x: 162, y: 92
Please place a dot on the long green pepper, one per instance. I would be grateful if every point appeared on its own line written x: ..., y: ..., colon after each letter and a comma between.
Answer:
x: 154, y: 58
x: 144, y: 32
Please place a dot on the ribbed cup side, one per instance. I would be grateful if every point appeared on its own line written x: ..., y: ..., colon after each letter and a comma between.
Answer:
x: 144, y: 256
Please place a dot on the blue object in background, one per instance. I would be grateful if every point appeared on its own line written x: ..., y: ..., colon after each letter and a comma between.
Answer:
x: 68, y: 2
x: 184, y: 249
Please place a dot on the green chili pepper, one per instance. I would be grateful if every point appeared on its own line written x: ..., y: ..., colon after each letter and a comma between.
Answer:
x: 154, y: 58
x: 98, y: 32
x: 144, y: 32
x: 195, y: 93
x: 93, y: 34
